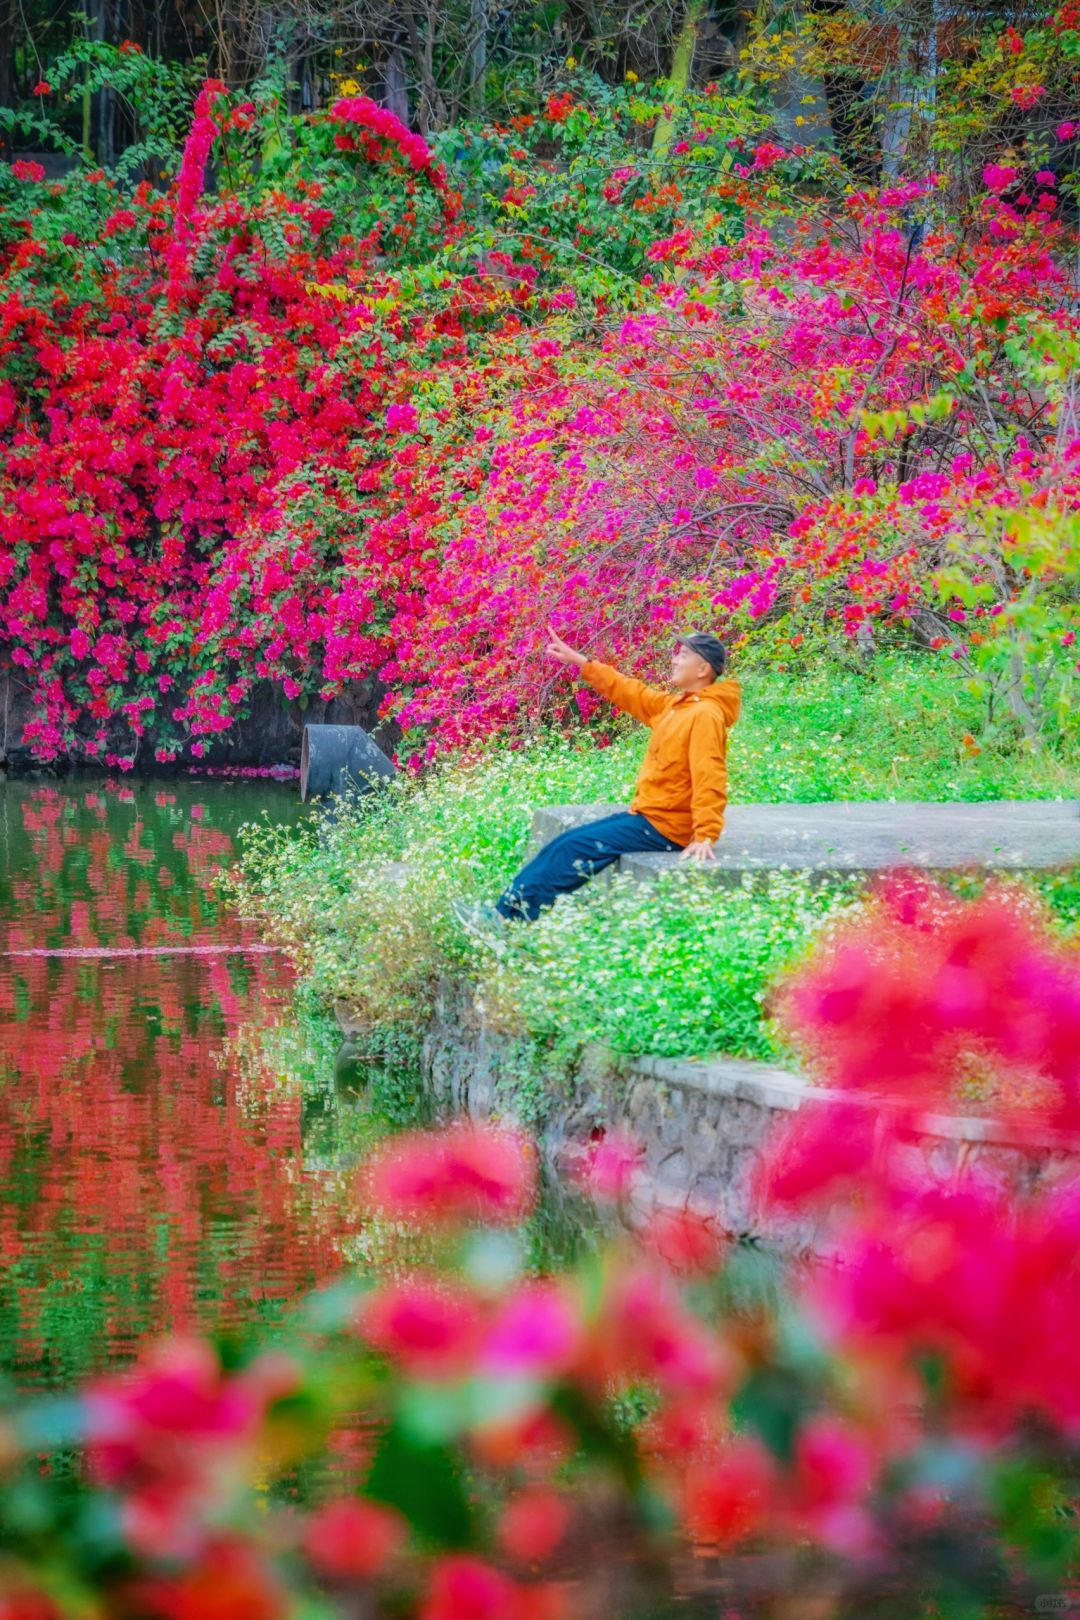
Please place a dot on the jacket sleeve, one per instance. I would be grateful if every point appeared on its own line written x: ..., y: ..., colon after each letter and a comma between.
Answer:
x: 708, y: 775
x: 645, y: 703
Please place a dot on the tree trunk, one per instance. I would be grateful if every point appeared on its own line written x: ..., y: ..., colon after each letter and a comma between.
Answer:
x: 7, y: 65
x: 681, y: 68
x: 478, y: 24
x: 395, y: 83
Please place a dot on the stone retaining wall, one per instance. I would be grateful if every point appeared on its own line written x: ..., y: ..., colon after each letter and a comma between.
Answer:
x: 701, y: 1123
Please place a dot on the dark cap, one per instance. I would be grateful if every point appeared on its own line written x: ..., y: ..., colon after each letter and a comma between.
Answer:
x: 708, y: 647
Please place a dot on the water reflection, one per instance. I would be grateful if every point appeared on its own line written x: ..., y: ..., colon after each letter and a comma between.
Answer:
x: 149, y: 1177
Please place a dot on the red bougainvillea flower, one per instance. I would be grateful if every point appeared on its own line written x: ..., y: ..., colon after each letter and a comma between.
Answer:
x: 684, y: 1240
x: 729, y: 1497
x: 230, y: 1582
x: 23, y: 1603
x: 352, y: 1539
x: 378, y: 124
x: 533, y: 1524
x: 559, y: 107
x: 463, y: 1173
x: 467, y: 1588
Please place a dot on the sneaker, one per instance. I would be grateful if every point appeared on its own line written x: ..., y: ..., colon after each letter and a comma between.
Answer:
x: 482, y: 921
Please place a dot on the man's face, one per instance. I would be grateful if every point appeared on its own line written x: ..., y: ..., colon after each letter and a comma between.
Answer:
x: 688, y: 668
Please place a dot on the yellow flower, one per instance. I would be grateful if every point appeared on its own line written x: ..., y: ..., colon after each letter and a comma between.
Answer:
x: 631, y: 76
x: 571, y: 61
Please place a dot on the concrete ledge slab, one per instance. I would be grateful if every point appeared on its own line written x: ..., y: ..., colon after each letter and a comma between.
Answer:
x: 846, y: 837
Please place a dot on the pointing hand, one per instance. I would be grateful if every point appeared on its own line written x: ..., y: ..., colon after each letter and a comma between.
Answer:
x: 558, y: 648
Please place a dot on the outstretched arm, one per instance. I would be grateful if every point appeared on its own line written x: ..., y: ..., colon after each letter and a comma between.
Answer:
x: 643, y: 702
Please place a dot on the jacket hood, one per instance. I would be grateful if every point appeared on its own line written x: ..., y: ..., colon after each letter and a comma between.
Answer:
x: 728, y: 695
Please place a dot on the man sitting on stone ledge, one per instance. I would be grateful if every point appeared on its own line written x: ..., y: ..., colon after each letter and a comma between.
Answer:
x: 681, y: 791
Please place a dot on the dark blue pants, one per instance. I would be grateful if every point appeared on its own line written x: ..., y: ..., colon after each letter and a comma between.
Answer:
x: 573, y: 858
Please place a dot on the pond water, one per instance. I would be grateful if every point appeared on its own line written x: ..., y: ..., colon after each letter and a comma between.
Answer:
x: 152, y: 1163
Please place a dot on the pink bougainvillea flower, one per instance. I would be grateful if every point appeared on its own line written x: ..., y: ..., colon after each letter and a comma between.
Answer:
x: 535, y: 1333
x: 176, y: 1395
x: 430, y: 1327
x: 823, y: 1150
x: 767, y: 154
x: 466, y: 1588
x: 644, y: 1330
x: 889, y: 1004
x: 402, y: 419
x: 606, y: 1164
x: 835, y: 1469
x: 465, y: 1172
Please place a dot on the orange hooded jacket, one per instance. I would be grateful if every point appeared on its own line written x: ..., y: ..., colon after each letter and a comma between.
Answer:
x: 682, y: 788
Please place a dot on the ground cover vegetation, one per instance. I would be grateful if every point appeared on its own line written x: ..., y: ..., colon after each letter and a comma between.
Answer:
x: 363, y: 900
x: 654, y: 1424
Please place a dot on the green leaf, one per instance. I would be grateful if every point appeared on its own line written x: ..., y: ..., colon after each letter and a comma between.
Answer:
x: 771, y: 1402
x: 424, y: 1483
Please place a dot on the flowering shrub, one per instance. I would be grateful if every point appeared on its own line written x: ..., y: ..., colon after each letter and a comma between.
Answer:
x: 326, y: 421
x: 767, y: 495
x: 902, y: 1425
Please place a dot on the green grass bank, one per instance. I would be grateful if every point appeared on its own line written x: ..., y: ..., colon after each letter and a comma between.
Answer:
x: 679, y: 968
